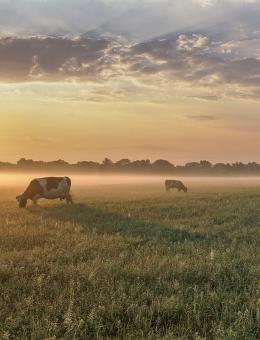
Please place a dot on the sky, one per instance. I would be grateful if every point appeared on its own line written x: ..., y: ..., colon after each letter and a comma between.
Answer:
x: 89, y: 79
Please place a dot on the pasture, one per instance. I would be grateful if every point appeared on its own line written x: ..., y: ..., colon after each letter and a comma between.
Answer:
x: 130, y: 261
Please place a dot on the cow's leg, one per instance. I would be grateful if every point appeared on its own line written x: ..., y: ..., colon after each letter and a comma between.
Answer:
x: 69, y: 199
x: 35, y: 201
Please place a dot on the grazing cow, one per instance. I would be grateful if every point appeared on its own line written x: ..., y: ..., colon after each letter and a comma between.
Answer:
x: 47, y: 187
x: 172, y: 184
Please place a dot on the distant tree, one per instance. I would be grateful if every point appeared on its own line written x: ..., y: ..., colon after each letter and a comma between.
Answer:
x: 6, y: 166
x: 25, y: 163
x: 87, y: 165
x: 203, y: 167
x: 60, y: 163
x: 253, y: 166
x: 205, y: 164
x: 141, y: 164
x: 107, y: 162
x: 162, y: 165
x: 124, y: 162
x: 238, y: 165
x: 192, y: 165
x: 220, y: 166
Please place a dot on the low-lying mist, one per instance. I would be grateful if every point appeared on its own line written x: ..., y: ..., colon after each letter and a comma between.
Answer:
x: 23, y: 179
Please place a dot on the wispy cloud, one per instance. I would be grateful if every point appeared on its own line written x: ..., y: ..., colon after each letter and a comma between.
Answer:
x: 203, y: 117
x: 136, y: 19
x: 159, y: 64
x: 197, y: 49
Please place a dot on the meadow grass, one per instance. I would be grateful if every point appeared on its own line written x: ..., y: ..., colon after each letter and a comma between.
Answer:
x: 132, y: 262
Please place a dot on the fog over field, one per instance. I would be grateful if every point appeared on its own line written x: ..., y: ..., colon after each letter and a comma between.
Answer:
x: 141, y: 182
x: 21, y: 179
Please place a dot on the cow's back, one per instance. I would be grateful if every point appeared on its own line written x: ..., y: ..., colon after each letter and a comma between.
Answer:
x: 55, y: 187
x: 174, y: 184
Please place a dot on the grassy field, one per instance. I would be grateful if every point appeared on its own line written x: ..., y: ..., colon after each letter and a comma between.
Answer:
x: 132, y: 262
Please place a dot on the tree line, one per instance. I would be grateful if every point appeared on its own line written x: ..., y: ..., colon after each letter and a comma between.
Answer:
x: 125, y: 165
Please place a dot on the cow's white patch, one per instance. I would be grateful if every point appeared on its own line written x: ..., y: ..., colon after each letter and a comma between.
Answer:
x: 62, y: 189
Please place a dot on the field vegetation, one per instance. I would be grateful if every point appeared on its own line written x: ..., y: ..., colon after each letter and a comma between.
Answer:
x: 132, y: 262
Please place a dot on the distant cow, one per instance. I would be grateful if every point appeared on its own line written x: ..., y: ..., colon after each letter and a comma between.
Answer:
x: 172, y: 184
x: 47, y: 187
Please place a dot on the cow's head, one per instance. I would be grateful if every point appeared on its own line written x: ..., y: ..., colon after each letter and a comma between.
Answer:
x: 22, y: 201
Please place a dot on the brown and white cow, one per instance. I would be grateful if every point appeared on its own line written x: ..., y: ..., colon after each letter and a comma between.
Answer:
x: 47, y: 187
x: 173, y: 184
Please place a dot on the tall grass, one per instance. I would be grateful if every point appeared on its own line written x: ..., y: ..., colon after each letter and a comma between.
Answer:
x: 132, y: 263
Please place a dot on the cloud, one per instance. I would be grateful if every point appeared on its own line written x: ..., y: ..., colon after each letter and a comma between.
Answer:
x: 50, y: 58
x: 205, y: 3
x: 196, y: 41
x: 133, y: 19
x: 202, y: 117
x: 188, y: 61
x: 42, y: 141
x: 55, y: 16
x: 192, y: 60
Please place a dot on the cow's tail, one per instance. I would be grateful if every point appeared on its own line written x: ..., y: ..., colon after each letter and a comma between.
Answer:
x: 68, y: 180
x: 69, y: 198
